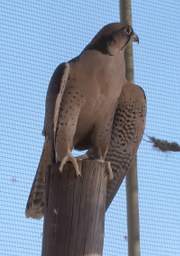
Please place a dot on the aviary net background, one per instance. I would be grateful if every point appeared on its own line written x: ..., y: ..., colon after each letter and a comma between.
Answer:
x: 35, y: 36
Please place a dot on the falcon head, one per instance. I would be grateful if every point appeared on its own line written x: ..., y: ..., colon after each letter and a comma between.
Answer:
x: 113, y: 38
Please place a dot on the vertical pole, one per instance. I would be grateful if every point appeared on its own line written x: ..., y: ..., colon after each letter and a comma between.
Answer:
x: 75, y: 210
x: 131, y: 179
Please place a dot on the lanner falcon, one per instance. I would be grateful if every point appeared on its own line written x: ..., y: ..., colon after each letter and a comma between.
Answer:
x: 91, y: 106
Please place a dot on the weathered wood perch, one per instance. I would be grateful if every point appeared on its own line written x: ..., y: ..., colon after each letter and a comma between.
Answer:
x: 75, y: 209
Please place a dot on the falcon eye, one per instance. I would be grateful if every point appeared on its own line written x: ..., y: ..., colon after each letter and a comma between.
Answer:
x: 128, y: 30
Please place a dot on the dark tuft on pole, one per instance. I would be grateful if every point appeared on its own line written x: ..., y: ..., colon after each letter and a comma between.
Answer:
x: 164, y: 145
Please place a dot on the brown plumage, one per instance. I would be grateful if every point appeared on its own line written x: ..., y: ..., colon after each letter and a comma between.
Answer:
x: 127, y: 132
x: 81, y: 101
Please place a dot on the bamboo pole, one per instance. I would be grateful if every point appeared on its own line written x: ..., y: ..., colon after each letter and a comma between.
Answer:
x: 131, y: 178
x: 75, y: 209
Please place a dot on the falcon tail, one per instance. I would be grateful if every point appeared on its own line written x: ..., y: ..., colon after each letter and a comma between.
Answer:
x: 36, y: 200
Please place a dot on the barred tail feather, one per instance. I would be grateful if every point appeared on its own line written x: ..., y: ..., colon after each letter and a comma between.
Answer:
x: 36, y: 200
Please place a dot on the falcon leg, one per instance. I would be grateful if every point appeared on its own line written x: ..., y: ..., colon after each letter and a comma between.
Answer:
x: 66, y: 129
x: 101, y: 137
x: 63, y: 148
x: 101, y: 141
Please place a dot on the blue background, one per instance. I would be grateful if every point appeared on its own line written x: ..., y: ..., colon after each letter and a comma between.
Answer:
x: 35, y: 36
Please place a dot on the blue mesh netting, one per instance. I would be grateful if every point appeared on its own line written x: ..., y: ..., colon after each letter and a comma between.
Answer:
x: 35, y: 37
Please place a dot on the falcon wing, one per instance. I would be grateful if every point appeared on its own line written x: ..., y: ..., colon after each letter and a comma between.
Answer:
x: 36, y: 200
x: 127, y: 132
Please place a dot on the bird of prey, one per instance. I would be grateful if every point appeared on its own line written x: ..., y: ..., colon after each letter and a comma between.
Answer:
x: 90, y: 105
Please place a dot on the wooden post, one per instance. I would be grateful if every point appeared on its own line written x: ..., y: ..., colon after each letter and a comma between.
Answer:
x: 131, y: 178
x: 75, y: 209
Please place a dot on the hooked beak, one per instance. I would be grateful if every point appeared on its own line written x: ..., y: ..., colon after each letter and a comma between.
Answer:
x: 135, y: 37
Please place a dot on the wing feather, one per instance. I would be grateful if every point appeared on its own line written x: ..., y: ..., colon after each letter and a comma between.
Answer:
x: 127, y: 132
x: 57, y: 85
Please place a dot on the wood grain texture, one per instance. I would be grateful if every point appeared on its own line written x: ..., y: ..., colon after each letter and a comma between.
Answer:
x: 75, y: 208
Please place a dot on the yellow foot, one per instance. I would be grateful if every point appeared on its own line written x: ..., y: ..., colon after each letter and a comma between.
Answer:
x: 73, y: 160
x: 108, y: 168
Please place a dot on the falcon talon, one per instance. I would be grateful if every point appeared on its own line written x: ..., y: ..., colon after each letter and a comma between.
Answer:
x: 73, y: 160
x: 110, y: 171
x: 108, y: 168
